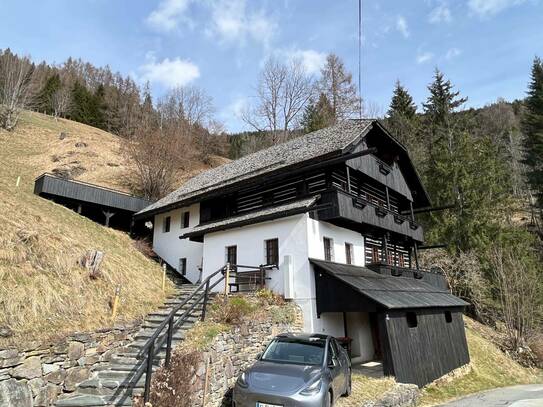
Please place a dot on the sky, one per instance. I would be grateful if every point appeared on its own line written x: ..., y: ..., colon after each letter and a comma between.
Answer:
x: 485, y: 47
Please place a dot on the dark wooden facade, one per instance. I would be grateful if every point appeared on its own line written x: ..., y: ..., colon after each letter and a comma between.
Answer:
x: 103, y: 205
x: 422, y: 353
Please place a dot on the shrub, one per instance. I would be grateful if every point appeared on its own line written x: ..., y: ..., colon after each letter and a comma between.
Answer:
x: 268, y: 297
x: 231, y: 310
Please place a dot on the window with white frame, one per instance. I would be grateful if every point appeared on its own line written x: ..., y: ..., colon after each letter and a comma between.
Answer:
x: 349, y: 258
x: 328, y: 248
x: 272, y: 251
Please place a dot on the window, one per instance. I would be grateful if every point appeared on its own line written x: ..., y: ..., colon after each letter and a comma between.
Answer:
x: 166, y: 224
x: 448, y: 317
x: 349, y: 253
x: 183, y: 266
x: 185, y: 220
x: 411, y: 318
x: 232, y: 254
x: 328, y: 249
x: 272, y: 251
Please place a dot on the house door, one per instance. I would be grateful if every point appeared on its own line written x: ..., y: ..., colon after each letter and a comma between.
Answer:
x: 378, y: 354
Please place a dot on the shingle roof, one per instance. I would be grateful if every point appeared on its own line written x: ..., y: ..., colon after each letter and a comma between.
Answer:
x: 312, y: 145
x: 265, y: 214
x: 390, y: 291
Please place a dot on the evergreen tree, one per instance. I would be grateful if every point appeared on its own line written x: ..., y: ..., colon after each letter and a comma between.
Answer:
x: 45, y: 96
x: 98, y: 107
x: 81, y: 110
x: 317, y: 115
x: 403, y: 123
x: 532, y: 124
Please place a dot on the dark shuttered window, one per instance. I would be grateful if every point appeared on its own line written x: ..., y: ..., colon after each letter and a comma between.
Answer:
x: 185, y: 220
x: 232, y: 254
x: 349, y: 253
x: 272, y: 251
x: 328, y: 249
x: 166, y: 224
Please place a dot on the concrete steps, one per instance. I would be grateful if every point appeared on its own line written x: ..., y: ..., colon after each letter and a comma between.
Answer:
x: 112, y: 383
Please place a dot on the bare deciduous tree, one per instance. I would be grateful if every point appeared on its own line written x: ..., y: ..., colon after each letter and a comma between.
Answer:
x: 155, y: 157
x: 15, y: 87
x: 187, y: 103
x: 283, y: 91
x: 61, y: 101
x: 337, y: 84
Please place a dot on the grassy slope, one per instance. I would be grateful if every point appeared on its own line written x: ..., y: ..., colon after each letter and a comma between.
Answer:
x: 43, y: 292
x: 490, y: 368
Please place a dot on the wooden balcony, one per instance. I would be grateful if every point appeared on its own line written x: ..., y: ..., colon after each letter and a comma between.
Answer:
x: 436, y: 279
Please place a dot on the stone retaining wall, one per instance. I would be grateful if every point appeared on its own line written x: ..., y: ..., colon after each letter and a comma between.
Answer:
x: 37, y: 375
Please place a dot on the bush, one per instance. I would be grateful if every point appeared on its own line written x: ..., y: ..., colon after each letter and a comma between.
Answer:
x: 268, y: 297
x: 231, y: 310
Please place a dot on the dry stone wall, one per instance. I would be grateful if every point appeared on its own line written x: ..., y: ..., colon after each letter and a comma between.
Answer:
x: 38, y: 374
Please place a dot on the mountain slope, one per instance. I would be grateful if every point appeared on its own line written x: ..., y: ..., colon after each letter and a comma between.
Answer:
x: 43, y: 291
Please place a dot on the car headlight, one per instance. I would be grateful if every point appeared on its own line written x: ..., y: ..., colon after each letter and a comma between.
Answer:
x: 313, y: 388
x: 242, y: 380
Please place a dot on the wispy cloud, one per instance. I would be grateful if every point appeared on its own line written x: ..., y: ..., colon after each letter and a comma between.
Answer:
x: 312, y: 60
x: 232, y: 22
x: 169, y: 72
x: 487, y: 8
x: 168, y: 14
x: 440, y: 14
x: 401, y: 26
x: 424, y: 57
x: 453, y: 53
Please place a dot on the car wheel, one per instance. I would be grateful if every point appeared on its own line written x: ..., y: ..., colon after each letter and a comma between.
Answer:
x: 349, y: 387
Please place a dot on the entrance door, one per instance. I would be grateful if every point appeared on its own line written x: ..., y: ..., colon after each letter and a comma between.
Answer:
x: 378, y: 355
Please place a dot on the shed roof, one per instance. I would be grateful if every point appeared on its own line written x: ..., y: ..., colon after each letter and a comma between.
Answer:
x: 270, y: 213
x: 390, y: 292
x: 312, y: 145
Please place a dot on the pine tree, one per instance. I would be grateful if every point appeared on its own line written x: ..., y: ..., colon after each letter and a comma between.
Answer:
x: 532, y: 125
x: 402, y: 103
x: 81, y: 110
x: 98, y: 108
x: 317, y: 115
x: 45, y: 96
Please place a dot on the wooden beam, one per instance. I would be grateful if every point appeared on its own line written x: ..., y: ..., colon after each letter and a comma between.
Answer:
x: 429, y: 209
x: 108, y: 216
x: 433, y: 246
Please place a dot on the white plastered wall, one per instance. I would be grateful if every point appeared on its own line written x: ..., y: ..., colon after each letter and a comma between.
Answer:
x: 170, y: 248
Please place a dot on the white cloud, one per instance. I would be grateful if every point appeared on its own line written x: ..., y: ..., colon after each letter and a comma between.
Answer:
x: 169, y: 72
x: 424, y: 57
x: 487, y: 8
x: 401, y: 26
x: 231, y: 22
x: 168, y: 14
x: 312, y: 60
x: 453, y: 53
x: 440, y: 14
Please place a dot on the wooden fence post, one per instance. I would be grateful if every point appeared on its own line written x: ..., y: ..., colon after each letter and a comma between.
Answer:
x: 163, y: 277
x: 227, y: 279
x: 115, y: 302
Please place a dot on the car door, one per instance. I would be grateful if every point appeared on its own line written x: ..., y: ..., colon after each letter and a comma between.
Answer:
x: 343, y: 360
x: 334, y: 366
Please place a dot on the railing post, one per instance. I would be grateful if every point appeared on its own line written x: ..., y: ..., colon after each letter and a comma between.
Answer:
x: 206, y: 296
x: 262, y: 276
x: 169, y: 342
x: 227, y: 279
x: 150, y: 356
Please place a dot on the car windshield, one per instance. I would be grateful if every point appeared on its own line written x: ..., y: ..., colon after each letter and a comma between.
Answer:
x: 295, y: 350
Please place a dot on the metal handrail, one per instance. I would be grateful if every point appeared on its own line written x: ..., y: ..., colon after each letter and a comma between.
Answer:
x: 155, y: 342
x: 200, y: 295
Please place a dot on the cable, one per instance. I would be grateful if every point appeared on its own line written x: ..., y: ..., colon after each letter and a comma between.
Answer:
x: 360, y: 56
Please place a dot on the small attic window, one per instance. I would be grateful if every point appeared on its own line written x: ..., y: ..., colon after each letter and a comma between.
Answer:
x: 411, y: 318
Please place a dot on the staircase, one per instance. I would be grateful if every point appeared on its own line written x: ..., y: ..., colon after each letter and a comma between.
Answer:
x: 112, y: 384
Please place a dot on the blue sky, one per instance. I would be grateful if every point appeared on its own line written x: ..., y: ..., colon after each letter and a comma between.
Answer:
x: 484, y: 46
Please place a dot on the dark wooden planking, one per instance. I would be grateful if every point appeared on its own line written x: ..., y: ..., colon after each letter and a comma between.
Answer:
x: 343, y: 207
x: 50, y: 185
x: 422, y: 354
x: 435, y: 279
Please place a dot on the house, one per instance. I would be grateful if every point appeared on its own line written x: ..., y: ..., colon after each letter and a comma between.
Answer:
x: 334, y: 210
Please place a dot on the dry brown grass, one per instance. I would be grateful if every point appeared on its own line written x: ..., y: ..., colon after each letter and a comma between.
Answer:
x: 366, y: 389
x: 490, y: 368
x: 43, y: 292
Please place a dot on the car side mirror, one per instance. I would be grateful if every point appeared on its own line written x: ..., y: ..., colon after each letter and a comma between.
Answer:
x: 334, y: 363
x: 258, y: 355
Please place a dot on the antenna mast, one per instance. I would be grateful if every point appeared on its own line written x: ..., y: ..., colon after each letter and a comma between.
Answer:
x: 360, y: 56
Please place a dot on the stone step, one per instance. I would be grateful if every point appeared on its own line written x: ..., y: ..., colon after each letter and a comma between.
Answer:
x: 91, y: 400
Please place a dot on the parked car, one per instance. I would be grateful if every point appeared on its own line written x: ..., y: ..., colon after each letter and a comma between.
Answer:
x: 305, y: 370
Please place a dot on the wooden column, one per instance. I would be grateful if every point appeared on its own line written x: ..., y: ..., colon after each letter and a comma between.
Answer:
x: 348, y: 179
x: 411, y: 210
x: 385, y: 248
x: 79, y: 208
x: 388, y: 198
x: 108, y: 216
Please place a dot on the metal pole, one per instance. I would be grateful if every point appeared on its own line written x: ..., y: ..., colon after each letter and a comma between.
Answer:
x: 416, y: 255
x: 169, y: 342
x: 205, y: 301
x: 149, y: 372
